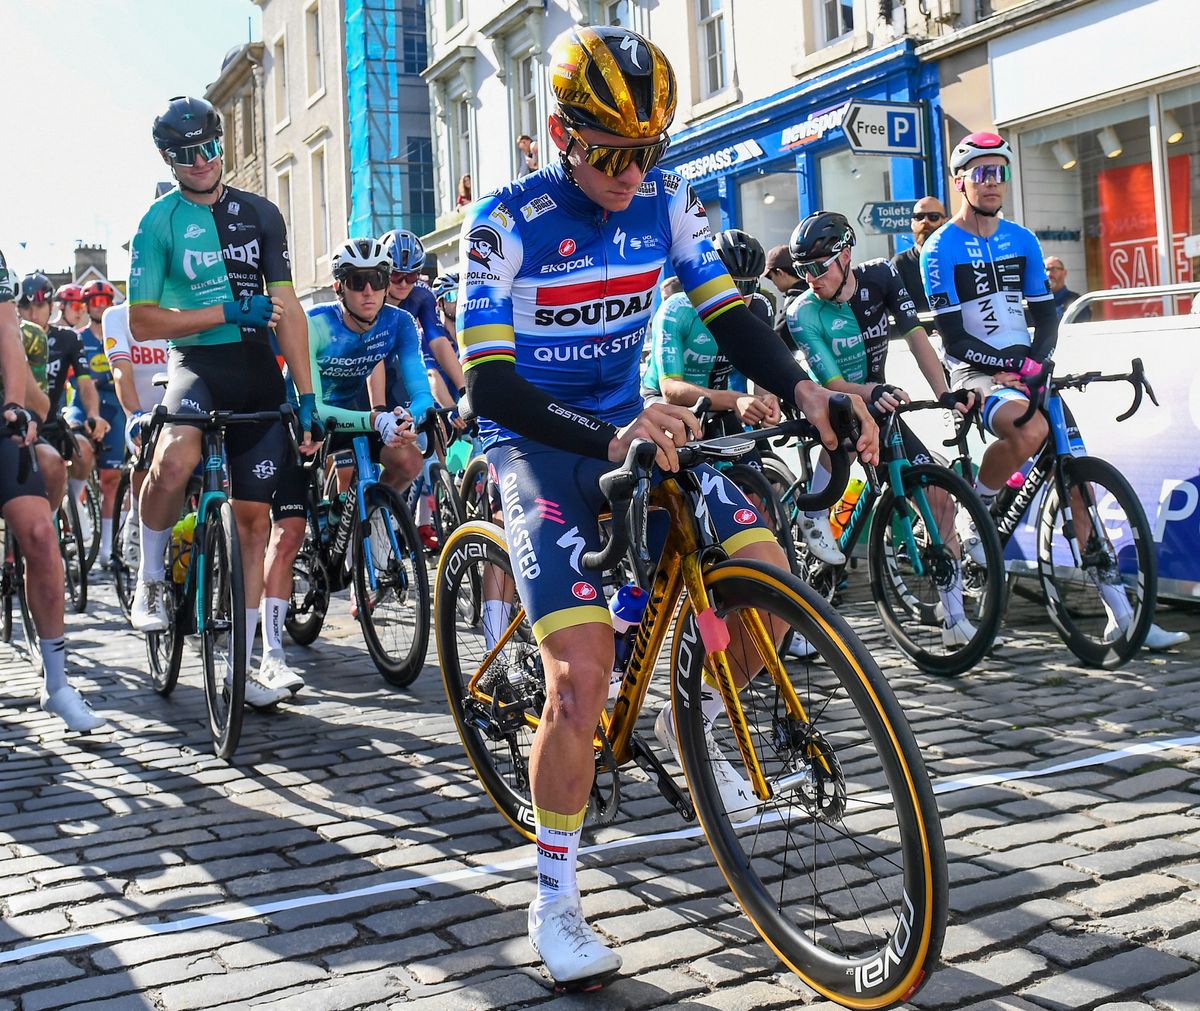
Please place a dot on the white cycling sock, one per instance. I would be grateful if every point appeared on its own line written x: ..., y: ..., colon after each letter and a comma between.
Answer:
x: 106, y: 531
x: 952, y: 599
x: 1115, y: 602
x: 424, y: 510
x: 274, y: 610
x: 711, y: 705
x: 557, y: 852
x: 495, y: 620
x: 54, y: 662
x: 154, y: 547
x: 820, y: 481
x: 984, y: 492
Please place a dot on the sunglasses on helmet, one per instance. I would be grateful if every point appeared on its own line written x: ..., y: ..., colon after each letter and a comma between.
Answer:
x: 360, y: 280
x: 612, y: 161
x: 401, y: 277
x: 981, y: 174
x: 816, y: 268
x: 185, y: 154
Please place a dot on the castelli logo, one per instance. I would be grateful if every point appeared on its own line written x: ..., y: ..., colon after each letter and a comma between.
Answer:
x: 566, y: 247
x: 584, y: 591
x: 745, y: 517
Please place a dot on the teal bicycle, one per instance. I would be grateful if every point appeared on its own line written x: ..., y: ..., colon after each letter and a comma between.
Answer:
x: 208, y: 598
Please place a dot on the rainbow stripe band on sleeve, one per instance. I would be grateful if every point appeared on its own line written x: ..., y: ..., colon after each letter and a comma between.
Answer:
x: 714, y: 297
x: 487, y: 343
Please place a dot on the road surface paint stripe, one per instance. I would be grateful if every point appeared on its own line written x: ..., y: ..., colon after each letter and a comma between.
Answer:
x: 132, y: 930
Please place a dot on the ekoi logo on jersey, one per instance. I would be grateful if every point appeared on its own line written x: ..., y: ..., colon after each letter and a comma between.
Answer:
x: 591, y: 303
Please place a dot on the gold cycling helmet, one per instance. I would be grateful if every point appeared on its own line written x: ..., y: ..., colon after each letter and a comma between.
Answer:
x: 614, y: 80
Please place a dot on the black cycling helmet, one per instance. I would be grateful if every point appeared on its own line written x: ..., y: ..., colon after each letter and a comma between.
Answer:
x: 36, y: 288
x: 186, y: 121
x: 820, y: 236
x: 743, y: 257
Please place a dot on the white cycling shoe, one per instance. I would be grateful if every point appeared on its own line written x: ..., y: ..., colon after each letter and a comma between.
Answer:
x: 72, y: 708
x: 958, y: 634
x: 1157, y: 638
x: 739, y: 800
x: 260, y: 695
x: 800, y: 648
x: 149, y: 610
x: 573, y: 952
x: 274, y: 672
x: 819, y: 539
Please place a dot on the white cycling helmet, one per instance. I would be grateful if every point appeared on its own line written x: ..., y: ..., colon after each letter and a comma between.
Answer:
x: 360, y: 254
x: 976, y: 145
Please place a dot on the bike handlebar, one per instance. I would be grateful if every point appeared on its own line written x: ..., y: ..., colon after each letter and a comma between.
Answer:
x: 285, y: 414
x: 1044, y: 382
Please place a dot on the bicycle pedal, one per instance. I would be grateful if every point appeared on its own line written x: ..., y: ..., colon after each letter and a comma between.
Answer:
x: 649, y: 763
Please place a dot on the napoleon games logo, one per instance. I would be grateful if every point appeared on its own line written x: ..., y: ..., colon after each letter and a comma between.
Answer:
x: 566, y: 247
x: 584, y: 591
x: 482, y: 244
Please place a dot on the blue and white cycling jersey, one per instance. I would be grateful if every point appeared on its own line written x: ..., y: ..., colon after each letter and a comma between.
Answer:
x: 566, y: 290
x: 986, y: 279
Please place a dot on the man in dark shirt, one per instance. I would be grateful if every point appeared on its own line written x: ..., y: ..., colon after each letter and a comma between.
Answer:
x: 781, y: 273
x: 928, y: 215
x: 1056, y: 271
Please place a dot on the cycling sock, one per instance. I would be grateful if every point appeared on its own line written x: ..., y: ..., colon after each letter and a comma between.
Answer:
x: 54, y: 661
x: 1115, y: 602
x: 820, y: 481
x: 557, y: 852
x: 984, y: 492
x: 495, y: 620
x: 952, y: 599
x: 251, y: 628
x: 77, y: 486
x: 106, y: 529
x: 711, y: 705
x: 154, y: 547
x: 274, y: 610
x: 424, y: 510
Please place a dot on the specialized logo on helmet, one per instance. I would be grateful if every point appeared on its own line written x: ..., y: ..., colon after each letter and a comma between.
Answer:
x: 630, y: 46
x: 482, y: 244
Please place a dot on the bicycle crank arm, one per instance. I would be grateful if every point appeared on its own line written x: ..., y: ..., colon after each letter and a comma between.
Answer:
x: 649, y: 763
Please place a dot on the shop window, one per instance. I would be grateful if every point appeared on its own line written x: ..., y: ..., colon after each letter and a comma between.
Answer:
x: 1180, y: 124
x: 712, y: 47
x: 413, y: 54
x: 1088, y: 195
x: 769, y: 207
x: 834, y: 18
x: 847, y: 182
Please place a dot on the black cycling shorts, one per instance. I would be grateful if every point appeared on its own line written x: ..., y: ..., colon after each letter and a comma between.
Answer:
x: 234, y: 377
x: 10, y: 487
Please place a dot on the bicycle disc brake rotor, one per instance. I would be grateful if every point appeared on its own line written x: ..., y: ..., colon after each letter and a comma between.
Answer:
x: 812, y: 772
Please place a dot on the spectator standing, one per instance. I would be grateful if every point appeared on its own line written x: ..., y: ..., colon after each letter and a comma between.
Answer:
x: 1056, y: 271
x: 464, y: 192
x: 928, y: 215
x: 782, y: 273
x: 528, y: 162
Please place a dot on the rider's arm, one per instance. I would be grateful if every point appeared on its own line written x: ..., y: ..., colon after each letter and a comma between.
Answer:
x: 903, y: 309
x: 291, y: 332
x: 356, y: 421
x: 120, y: 361
x: 148, y: 262
x: 927, y: 360
x: 1041, y: 302
x: 487, y: 346
x: 12, y: 354
x: 127, y: 396
x: 407, y: 349
x: 673, y: 326
x: 443, y: 351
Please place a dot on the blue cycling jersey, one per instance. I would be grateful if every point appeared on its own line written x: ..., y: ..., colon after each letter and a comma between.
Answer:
x: 565, y: 289
x: 93, y: 351
x: 422, y: 306
x: 985, y: 279
x: 342, y: 359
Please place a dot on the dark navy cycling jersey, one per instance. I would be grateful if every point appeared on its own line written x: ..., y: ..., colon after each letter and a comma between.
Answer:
x: 565, y: 290
x: 65, y: 355
x: 422, y: 306
x: 985, y: 280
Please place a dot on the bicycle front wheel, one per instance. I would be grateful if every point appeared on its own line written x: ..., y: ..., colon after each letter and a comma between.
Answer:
x: 164, y: 650
x: 925, y: 577
x: 447, y: 510
x: 126, y: 541
x: 841, y: 868
x: 310, y: 594
x: 74, y: 553
x: 1104, y: 606
x: 391, y: 588
x: 221, y: 599
x: 91, y: 502
x: 472, y: 490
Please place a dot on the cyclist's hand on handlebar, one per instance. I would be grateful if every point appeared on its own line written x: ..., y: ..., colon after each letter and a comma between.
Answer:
x: 962, y: 401
x: 98, y: 428
x: 310, y: 424
x: 813, y: 401
x: 750, y: 410
x: 19, y: 417
x: 885, y: 398
x: 666, y: 425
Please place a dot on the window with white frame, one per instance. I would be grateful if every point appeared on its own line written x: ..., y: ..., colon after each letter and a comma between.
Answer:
x: 320, y: 204
x: 617, y: 12
x: 248, y: 124
x: 279, y: 72
x: 835, y: 18
x: 283, y: 197
x: 712, y: 47
x: 316, y: 68
x: 454, y: 12
x: 460, y: 144
x: 525, y: 96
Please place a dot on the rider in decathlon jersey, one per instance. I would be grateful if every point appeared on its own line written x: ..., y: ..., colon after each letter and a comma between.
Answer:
x: 559, y: 275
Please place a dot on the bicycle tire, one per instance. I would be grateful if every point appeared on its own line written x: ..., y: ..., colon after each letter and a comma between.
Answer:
x: 1067, y: 596
x: 401, y: 580
x: 73, y: 552
x: 92, y: 502
x: 894, y: 844
x: 447, y: 509
x: 497, y: 748
x: 472, y: 490
x: 309, y: 600
x: 124, y: 569
x: 164, y: 650
x: 755, y: 482
x: 16, y: 594
x: 223, y: 613
x: 912, y: 622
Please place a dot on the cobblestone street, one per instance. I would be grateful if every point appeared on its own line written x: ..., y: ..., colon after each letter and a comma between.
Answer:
x: 350, y: 860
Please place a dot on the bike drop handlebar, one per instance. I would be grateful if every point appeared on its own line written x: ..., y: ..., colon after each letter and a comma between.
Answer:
x: 629, y: 484
x: 284, y: 414
x: 1045, y: 382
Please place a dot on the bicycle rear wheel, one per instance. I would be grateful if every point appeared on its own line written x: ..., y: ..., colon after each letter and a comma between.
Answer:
x: 14, y: 594
x: 164, y: 650
x: 842, y: 870
x: 958, y: 571
x: 760, y: 491
x: 447, y: 510
x: 1119, y: 570
x: 223, y: 634
x: 91, y: 502
x: 126, y: 545
x: 395, y: 613
x: 309, y: 601
x: 74, y: 553
x: 472, y: 490
x: 495, y: 717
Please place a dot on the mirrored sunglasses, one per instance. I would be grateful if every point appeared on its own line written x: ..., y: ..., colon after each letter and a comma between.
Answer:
x: 360, y: 280
x: 746, y: 285
x: 186, y: 154
x: 612, y: 161
x: 816, y: 268
x: 99, y: 300
x: 927, y: 216
x: 981, y: 174
x: 451, y: 296
x: 401, y: 278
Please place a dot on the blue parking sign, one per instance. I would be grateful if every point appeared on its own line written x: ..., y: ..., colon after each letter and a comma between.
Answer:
x: 902, y: 129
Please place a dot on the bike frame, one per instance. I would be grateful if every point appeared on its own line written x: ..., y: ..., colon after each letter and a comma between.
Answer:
x: 212, y: 494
